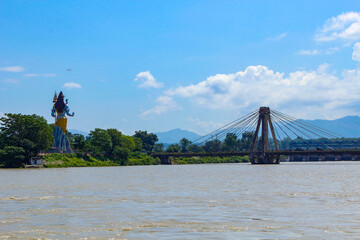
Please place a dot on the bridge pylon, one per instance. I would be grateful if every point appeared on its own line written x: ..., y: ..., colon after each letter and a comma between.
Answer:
x: 264, y: 122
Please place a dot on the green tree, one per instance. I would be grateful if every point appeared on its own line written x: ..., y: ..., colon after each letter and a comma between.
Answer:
x: 128, y: 142
x: 148, y: 139
x: 78, y: 141
x: 12, y: 156
x: 115, y: 136
x: 213, y: 146
x: 159, y: 147
x: 121, y: 155
x: 184, y: 144
x: 246, y: 141
x: 29, y: 132
x: 194, y: 148
x: 173, y: 148
x: 100, y: 140
x: 138, y: 144
x: 230, y: 142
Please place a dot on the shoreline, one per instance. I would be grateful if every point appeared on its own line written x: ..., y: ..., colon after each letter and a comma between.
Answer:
x: 57, y: 160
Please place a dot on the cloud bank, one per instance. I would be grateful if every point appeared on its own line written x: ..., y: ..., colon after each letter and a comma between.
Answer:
x: 356, y: 52
x: 39, y: 75
x: 345, y: 26
x: 278, y: 37
x: 146, y: 80
x: 312, y: 93
x: 12, y: 69
x: 71, y: 85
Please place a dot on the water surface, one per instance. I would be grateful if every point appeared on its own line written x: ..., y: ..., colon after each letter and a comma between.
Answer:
x: 218, y: 201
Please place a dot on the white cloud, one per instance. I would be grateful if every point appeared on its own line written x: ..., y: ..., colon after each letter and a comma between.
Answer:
x: 39, y: 75
x: 71, y: 85
x: 307, y: 94
x: 10, y: 80
x: 314, y: 52
x: 12, y: 69
x: 147, y: 80
x: 164, y: 104
x: 278, y: 37
x: 308, y: 52
x: 356, y: 52
x: 345, y: 26
x: 2, y: 114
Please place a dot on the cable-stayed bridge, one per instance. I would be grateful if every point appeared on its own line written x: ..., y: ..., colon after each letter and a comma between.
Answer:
x: 268, y: 135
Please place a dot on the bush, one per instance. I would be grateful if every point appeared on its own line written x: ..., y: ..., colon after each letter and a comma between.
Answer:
x: 121, y: 155
x: 29, y: 132
x: 12, y: 156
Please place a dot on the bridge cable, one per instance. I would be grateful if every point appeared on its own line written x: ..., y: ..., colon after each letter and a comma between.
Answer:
x: 285, y: 125
x: 210, y: 134
x: 291, y: 124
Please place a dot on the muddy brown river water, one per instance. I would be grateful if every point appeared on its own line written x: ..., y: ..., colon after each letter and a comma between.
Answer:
x: 218, y: 201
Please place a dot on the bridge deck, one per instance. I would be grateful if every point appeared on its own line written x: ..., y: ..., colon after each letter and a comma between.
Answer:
x: 247, y: 153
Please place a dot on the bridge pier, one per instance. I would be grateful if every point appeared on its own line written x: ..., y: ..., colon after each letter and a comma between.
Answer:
x: 264, y: 158
x: 166, y: 160
x: 264, y: 122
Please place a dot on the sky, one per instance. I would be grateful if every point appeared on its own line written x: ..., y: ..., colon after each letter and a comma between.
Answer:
x: 194, y: 65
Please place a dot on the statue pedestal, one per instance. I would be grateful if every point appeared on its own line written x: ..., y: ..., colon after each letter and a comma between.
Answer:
x: 61, y: 144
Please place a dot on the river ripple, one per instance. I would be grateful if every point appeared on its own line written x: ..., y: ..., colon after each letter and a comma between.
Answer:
x: 219, y: 201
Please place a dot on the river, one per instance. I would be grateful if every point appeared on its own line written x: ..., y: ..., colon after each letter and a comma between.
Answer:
x: 216, y: 201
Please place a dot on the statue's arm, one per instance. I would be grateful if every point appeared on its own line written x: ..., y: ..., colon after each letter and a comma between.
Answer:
x: 67, y: 110
x: 53, y: 112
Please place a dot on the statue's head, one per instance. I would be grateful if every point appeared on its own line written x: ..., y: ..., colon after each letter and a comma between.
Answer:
x: 60, y: 104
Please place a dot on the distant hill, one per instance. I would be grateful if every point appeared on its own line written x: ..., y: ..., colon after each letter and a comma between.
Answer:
x: 175, y: 135
x: 348, y: 126
x: 75, y: 131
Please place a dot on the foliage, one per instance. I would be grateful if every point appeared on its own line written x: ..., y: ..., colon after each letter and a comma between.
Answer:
x: 29, y: 132
x: 205, y: 160
x: 138, y: 144
x: 246, y: 141
x: 148, y: 139
x: 213, y: 146
x: 230, y: 142
x: 101, y: 140
x: 194, y: 148
x: 184, y: 144
x: 173, y: 148
x: 121, y: 155
x: 138, y: 158
x: 159, y: 147
x: 115, y: 136
x: 128, y: 142
x: 12, y: 156
x: 78, y: 141
x: 56, y: 160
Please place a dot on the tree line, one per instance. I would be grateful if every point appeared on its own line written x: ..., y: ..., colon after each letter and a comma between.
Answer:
x: 24, y: 136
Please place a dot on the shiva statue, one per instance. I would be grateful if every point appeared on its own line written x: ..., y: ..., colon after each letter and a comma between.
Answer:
x: 59, y: 111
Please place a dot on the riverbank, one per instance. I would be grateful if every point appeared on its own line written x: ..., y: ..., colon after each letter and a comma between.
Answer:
x: 56, y: 160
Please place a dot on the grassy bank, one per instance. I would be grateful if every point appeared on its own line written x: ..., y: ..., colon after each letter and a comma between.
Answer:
x: 205, y: 160
x: 57, y: 160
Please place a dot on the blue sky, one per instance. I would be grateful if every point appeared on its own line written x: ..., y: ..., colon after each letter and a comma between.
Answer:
x: 195, y: 65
